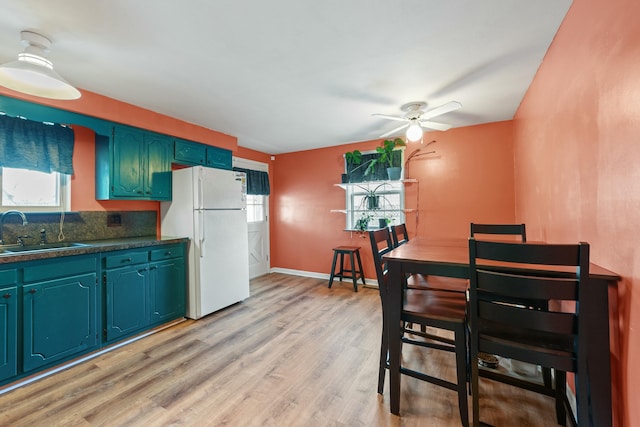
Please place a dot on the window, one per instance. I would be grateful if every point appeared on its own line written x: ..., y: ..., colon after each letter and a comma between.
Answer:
x: 32, y: 191
x: 255, y: 208
x: 376, y: 201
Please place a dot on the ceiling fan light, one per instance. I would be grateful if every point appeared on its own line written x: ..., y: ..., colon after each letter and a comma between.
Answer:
x: 33, y: 74
x: 414, y: 132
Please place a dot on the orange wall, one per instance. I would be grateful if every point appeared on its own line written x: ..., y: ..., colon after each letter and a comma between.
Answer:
x: 469, y: 178
x: 577, y: 161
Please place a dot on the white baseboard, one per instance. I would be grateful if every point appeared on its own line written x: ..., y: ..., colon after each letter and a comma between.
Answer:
x: 315, y: 275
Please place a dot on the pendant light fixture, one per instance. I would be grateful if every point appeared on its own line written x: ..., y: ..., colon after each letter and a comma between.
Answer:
x: 33, y: 73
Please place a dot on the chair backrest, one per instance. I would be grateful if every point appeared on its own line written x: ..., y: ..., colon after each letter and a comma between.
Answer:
x: 399, y: 234
x: 505, y: 279
x: 380, y: 245
x: 502, y: 229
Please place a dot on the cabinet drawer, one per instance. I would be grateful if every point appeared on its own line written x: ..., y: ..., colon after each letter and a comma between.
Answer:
x: 128, y: 258
x: 167, y: 253
x: 53, y: 269
x: 8, y: 277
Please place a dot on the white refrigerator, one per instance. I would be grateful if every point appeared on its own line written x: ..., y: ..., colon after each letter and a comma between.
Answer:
x: 209, y: 207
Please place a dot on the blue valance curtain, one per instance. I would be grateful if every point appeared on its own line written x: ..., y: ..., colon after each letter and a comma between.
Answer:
x: 257, y: 181
x: 25, y: 144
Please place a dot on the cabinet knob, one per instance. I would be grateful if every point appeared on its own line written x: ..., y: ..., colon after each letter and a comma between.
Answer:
x: 32, y: 291
x: 168, y: 253
x: 6, y: 296
x: 128, y: 259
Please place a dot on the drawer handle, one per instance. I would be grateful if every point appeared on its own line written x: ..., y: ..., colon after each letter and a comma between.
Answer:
x: 32, y: 291
x: 7, y: 296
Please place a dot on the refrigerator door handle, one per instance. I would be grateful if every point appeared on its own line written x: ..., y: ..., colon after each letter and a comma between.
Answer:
x: 200, y: 191
x: 202, y: 232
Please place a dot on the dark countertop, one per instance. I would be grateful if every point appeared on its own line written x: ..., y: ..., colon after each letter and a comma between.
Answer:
x: 90, y: 247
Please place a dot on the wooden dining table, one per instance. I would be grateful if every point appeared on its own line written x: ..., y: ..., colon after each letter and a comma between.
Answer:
x: 450, y: 258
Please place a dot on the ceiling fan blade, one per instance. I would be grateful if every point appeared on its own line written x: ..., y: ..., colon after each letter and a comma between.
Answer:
x: 443, y: 109
x: 384, y: 116
x: 391, y: 132
x: 434, y: 125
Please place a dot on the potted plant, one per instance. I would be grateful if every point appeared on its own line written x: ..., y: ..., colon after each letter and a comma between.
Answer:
x: 354, y: 163
x: 363, y: 222
x: 385, y: 157
x: 371, y: 200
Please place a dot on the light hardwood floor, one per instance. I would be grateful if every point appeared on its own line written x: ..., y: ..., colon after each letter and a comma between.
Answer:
x: 293, y: 354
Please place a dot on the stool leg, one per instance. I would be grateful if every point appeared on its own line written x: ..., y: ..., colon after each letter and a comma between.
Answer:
x: 354, y: 275
x: 333, y: 268
x: 341, y: 266
x: 360, y: 266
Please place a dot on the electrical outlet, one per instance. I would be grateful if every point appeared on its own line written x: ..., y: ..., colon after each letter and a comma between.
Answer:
x: 114, y: 220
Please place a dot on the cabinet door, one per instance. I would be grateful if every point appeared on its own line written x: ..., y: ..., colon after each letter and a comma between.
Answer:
x: 127, y: 296
x: 167, y: 290
x: 128, y: 163
x: 159, y: 154
x: 219, y: 158
x: 59, y: 319
x: 8, y: 332
x: 190, y: 153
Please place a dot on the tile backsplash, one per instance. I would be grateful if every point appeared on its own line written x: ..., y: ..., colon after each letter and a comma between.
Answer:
x: 81, y: 226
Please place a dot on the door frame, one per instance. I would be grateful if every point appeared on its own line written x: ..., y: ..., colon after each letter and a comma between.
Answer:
x: 264, y: 167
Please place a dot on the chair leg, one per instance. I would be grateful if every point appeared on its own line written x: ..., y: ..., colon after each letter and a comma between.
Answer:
x: 384, y: 353
x: 461, y: 368
x: 360, y: 266
x: 546, y: 377
x: 333, y: 268
x: 354, y: 275
x: 475, y: 389
x: 561, y: 392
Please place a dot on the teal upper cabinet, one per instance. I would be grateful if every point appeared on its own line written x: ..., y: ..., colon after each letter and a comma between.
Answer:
x: 190, y: 153
x: 133, y: 165
x: 193, y: 153
x: 219, y: 158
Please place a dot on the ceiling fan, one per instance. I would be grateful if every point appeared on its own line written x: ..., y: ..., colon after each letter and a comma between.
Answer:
x: 416, y: 118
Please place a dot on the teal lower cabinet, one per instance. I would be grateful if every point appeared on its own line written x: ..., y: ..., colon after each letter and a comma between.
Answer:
x: 148, y: 292
x: 53, y: 310
x: 59, y: 316
x: 8, y: 324
x: 127, y: 305
x: 167, y: 298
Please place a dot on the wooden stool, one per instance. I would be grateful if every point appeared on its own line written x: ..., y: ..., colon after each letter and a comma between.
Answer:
x: 347, y: 273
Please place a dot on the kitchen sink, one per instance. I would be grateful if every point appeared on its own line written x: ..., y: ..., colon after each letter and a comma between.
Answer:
x: 43, y: 247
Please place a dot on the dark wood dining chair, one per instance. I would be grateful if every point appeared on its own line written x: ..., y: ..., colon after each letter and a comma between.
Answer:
x: 500, y: 229
x: 399, y: 234
x: 427, y: 308
x: 519, y: 231
x: 505, y: 278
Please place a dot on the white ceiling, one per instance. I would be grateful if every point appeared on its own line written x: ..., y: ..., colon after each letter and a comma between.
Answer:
x: 290, y: 75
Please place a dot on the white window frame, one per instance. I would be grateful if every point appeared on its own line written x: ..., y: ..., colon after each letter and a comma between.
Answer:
x: 65, y: 198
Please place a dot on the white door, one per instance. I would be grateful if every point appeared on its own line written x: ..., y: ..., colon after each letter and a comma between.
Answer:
x: 258, y: 224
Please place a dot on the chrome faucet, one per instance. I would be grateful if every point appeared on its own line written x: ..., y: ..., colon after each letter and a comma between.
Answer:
x: 4, y: 214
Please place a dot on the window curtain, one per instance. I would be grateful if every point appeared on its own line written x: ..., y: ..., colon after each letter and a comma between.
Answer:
x: 25, y: 144
x: 257, y: 182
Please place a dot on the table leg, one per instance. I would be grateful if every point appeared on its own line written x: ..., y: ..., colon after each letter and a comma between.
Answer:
x: 595, y: 309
